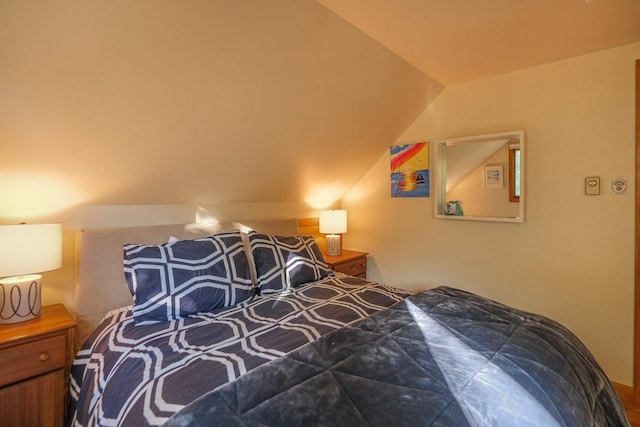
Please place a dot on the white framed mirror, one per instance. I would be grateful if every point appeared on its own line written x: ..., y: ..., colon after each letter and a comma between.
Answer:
x: 481, y: 177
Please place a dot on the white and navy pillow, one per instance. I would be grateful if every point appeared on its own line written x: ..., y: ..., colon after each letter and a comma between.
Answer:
x: 184, y: 277
x: 284, y: 262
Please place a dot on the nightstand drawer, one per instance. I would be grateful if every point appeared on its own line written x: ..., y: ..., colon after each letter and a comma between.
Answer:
x: 33, y: 358
x: 356, y: 267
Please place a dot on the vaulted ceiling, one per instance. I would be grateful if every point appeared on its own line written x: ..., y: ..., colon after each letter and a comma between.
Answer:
x: 198, y: 101
x: 462, y: 40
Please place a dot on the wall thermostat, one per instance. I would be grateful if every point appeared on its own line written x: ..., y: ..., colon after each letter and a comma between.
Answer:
x: 592, y: 185
x: 619, y: 184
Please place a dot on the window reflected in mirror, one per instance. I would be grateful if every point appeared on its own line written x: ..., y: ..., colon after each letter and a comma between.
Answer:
x: 514, y: 173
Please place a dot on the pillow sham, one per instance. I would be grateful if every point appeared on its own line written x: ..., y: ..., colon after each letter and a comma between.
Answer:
x: 183, y: 277
x: 284, y: 262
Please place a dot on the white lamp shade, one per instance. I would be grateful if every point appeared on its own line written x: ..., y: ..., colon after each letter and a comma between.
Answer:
x: 30, y: 248
x: 333, y: 221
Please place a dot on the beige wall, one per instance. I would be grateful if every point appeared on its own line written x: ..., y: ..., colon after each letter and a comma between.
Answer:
x: 572, y: 259
x: 192, y: 102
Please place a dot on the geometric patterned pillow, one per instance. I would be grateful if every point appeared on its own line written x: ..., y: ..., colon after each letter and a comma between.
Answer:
x: 184, y: 277
x: 284, y: 262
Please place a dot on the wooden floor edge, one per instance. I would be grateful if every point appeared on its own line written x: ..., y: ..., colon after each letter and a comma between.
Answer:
x: 626, y: 396
x: 624, y: 392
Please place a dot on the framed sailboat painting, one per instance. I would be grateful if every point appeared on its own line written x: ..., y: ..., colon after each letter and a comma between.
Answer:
x: 410, y: 170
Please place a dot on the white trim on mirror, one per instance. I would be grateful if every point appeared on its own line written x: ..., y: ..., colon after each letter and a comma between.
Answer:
x: 441, y: 203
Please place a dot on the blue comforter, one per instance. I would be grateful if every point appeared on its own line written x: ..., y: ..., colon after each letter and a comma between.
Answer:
x: 440, y: 358
x: 128, y: 375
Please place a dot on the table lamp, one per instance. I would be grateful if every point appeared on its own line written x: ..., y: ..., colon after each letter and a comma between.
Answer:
x: 26, y: 249
x: 333, y: 223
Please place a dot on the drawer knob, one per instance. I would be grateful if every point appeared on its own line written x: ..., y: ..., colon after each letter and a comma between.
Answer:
x: 44, y: 356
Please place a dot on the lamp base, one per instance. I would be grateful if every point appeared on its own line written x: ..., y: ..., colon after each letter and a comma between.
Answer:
x: 333, y: 244
x: 20, y: 298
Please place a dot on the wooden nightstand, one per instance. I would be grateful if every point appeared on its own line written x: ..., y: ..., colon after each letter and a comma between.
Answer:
x: 353, y: 263
x: 34, y: 365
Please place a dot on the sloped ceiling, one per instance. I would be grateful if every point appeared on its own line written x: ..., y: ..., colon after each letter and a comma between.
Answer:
x: 462, y: 40
x: 462, y: 159
x: 148, y: 101
x: 199, y: 101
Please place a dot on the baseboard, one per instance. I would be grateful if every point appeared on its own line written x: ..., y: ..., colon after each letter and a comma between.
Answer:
x: 624, y: 392
x: 626, y: 396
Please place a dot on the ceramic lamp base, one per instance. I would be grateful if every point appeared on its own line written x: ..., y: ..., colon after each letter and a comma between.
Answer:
x: 20, y: 298
x: 333, y: 244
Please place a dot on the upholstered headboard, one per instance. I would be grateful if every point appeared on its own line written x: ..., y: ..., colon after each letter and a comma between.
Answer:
x: 100, y: 284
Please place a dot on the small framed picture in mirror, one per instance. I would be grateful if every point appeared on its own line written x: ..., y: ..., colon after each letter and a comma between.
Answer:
x: 493, y: 176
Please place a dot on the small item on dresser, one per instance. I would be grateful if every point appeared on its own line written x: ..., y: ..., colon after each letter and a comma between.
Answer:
x: 333, y: 223
x: 26, y: 249
x: 454, y: 207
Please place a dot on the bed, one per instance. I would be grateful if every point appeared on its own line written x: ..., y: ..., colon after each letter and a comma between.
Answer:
x: 241, y: 323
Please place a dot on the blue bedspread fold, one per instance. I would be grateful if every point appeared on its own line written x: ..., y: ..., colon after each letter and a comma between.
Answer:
x: 444, y: 357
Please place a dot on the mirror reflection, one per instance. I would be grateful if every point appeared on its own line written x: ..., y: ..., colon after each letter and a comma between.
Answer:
x: 481, y: 177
